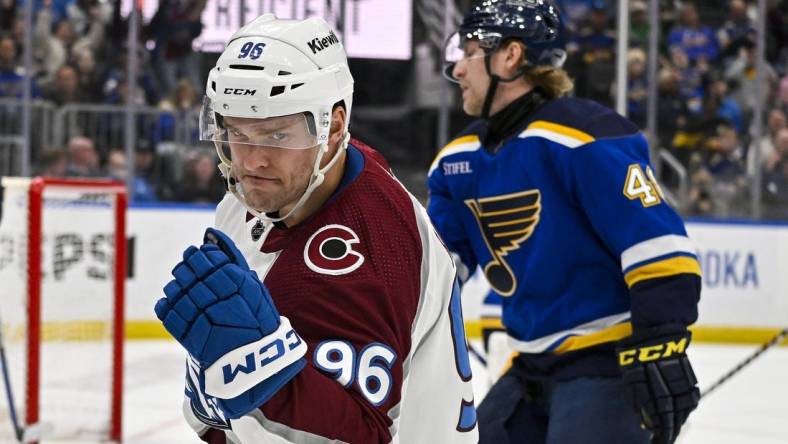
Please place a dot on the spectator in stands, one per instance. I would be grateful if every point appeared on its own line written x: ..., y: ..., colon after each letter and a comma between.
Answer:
x: 65, y: 88
x: 173, y: 28
x: 782, y: 94
x: 116, y: 90
x: 695, y: 143
x: 7, y: 14
x: 17, y: 32
x: 201, y: 183
x: 690, y: 78
x: 700, y: 201
x: 637, y: 91
x: 776, y: 178
x: 730, y: 191
x: 777, y: 34
x: 780, y: 151
x: 575, y: 13
x: 695, y: 39
x: 741, y: 72
x: 115, y: 86
x: 183, y: 105
x: 725, y: 161
x: 736, y: 31
x: 117, y: 168
x: 638, y: 24
x: 184, y: 98
x: 152, y: 180
x: 52, y: 163
x: 672, y: 111
x: 84, y: 14
x: 10, y: 72
x: 117, y: 165
x: 775, y: 122
x: 53, y: 44
x: 728, y: 108
x: 83, y: 160
x: 90, y: 77
x: 593, y: 64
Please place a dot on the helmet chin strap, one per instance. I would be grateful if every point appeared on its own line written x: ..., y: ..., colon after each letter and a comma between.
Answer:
x: 317, y: 178
x: 495, y: 79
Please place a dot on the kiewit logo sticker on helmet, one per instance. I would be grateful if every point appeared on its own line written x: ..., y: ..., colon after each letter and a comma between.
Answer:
x: 330, y: 251
x: 318, y: 44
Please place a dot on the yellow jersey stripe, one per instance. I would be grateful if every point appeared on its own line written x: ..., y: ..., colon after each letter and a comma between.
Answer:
x: 562, y: 130
x: 491, y: 323
x: 459, y: 145
x: 665, y: 267
x: 507, y: 223
x: 509, y: 363
x: 609, y: 334
x: 464, y: 139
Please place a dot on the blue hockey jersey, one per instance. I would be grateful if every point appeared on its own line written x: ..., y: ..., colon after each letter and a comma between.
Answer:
x: 570, y: 227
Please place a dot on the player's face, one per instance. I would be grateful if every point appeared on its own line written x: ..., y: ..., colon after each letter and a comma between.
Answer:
x: 472, y: 77
x: 272, y: 178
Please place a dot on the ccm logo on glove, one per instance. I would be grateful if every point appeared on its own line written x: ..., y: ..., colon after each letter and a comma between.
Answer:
x: 263, y: 357
x: 244, y: 367
x: 652, y: 352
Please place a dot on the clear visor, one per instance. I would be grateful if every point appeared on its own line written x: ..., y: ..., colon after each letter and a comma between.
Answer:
x: 294, y: 131
x: 457, y: 48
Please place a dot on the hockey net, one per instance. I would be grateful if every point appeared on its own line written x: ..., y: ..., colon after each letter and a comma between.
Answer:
x: 62, y: 271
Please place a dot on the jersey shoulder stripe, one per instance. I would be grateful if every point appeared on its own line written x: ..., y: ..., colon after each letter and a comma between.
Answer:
x: 555, y: 132
x: 580, y: 120
x: 462, y: 144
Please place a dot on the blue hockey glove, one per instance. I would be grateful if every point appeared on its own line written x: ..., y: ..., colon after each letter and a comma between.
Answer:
x: 220, y: 312
x: 205, y: 407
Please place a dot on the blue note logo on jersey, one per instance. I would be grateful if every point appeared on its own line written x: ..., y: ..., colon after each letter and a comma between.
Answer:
x: 505, y: 221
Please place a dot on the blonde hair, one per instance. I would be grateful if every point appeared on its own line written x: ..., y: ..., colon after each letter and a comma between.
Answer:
x: 554, y: 82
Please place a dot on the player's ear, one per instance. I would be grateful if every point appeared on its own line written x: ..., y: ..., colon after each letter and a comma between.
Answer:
x: 513, y: 56
x: 338, y: 119
x: 509, y: 58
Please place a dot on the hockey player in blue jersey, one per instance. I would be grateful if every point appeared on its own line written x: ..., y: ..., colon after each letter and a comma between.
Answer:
x: 553, y: 197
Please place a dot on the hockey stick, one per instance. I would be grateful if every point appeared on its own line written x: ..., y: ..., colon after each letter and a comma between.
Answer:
x: 23, y: 434
x: 18, y: 430
x: 724, y: 378
x: 477, y: 354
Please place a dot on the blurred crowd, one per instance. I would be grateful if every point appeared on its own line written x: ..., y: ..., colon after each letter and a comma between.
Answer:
x: 707, y: 94
x: 706, y: 86
x: 80, y: 52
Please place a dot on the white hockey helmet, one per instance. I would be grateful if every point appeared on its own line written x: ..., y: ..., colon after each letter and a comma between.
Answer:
x: 295, y: 70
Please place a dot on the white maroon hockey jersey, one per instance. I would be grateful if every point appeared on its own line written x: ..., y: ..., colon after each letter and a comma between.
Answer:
x: 369, y: 286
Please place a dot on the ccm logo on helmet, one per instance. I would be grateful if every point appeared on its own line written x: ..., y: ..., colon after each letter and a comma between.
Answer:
x: 240, y: 91
x: 318, y: 44
x: 330, y: 251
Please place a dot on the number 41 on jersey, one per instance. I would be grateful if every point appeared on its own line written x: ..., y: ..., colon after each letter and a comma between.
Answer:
x: 643, y: 186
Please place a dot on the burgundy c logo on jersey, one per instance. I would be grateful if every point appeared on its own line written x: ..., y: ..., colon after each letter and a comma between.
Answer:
x: 330, y: 251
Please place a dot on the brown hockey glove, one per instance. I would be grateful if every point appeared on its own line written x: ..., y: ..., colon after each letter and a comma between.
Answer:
x: 656, y: 368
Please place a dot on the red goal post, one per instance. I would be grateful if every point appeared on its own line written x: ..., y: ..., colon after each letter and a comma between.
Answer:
x: 73, y: 202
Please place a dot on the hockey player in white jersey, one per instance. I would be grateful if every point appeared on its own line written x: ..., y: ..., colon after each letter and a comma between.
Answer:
x: 322, y: 308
